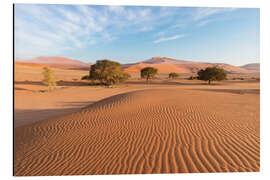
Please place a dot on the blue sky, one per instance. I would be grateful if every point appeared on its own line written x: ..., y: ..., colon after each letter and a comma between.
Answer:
x: 134, y: 33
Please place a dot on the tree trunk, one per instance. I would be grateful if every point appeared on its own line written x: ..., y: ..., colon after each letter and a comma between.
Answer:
x: 209, y: 81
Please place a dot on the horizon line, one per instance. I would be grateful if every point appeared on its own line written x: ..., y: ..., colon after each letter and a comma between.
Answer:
x: 136, y: 61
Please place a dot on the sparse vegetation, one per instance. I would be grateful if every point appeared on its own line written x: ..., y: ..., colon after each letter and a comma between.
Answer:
x: 107, y: 72
x: 212, y: 74
x: 42, y: 91
x: 86, y: 77
x: 235, y: 78
x: 148, y: 73
x: 192, y: 77
x: 173, y: 75
x: 49, y: 79
x: 256, y: 78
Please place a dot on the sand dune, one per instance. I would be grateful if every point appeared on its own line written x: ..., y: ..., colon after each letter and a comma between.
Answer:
x: 253, y: 67
x: 33, y: 71
x: 56, y: 62
x: 167, y: 65
x: 163, y: 64
x: 162, y: 130
x: 162, y: 68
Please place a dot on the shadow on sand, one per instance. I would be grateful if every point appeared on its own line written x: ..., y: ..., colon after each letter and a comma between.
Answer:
x: 59, y: 83
x: 24, y: 117
x: 233, y: 91
x: 166, y: 83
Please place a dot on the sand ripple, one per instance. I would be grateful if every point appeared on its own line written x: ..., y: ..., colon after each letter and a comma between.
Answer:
x: 148, y: 131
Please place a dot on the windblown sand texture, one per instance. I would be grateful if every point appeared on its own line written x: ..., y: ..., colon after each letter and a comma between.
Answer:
x: 155, y: 130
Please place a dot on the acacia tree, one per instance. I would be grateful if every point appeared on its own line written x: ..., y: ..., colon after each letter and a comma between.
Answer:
x: 173, y: 75
x: 107, y: 72
x: 49, y: 79
x: 148, y: 73
x: 212, y: 74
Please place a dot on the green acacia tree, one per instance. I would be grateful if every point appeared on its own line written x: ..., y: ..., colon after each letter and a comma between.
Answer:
x: 212, y: 74
x: 107, y: 72
x: 173, y: 75
x: 49, y: 79
x: 148, y: 73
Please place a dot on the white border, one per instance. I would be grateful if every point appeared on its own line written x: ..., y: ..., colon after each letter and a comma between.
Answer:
x: 6, y: 46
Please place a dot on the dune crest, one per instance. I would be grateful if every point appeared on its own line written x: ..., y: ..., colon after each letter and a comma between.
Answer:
x: 163, y: 64
x: 167, y: 65
x: 56, y: 62
x: 146, y: 131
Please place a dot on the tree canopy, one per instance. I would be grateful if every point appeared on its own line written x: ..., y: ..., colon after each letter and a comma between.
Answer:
x: 212, y: 74
x: 173, y: 75
x: 148, y: 72
x: 49, y: 79
x: 107, y: 72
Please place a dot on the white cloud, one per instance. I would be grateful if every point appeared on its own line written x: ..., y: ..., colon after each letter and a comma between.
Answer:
x: 170, y: 38
x: 130, y: 15
x: 145, y: 13
x: 53, y: 28
x: 117, y: 9
x: 204, y: 22
x: 69, y: 15
x: 201, y: 13
x: 59, y: 27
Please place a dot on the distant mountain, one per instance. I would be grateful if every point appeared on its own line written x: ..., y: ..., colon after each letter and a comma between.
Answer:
x: 253, y: 67
x: 163, y: 64
x: 166, y: 65
x: 57, y: 62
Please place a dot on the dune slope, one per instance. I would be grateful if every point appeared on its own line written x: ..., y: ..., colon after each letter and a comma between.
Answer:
x: 167, y: 65
x: 146, y: 131
x: 56, y: 62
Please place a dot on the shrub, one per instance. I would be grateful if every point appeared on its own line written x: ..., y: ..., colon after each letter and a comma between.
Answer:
x: 107, y: 72
x: 49, y: 79
x: 212, y: 74
x: 192, y: 77
x: 148, y: 73
x: 173, y: 75
x: 235, y: 78
x: 86, y: 77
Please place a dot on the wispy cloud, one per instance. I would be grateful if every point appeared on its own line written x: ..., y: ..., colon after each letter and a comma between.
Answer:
x: 202, y: 13
x: 204, y: 22
x: 170, y: 38
x: 53, y: 29
x: 116, y: 9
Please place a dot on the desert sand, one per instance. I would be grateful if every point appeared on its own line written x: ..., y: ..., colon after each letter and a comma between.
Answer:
x: 166, y: 126
x: 167, y: 65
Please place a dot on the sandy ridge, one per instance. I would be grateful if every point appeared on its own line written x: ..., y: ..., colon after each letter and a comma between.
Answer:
x: 146, y: 131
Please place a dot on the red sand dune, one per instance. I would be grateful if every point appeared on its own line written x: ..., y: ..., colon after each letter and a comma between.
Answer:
x: 55, y: 59
x: 28, y: 64
x: 167, y: 65
x: 163, y: 64
x: 147, y: 131
x: 57, y: 62
x: 253, y: 67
